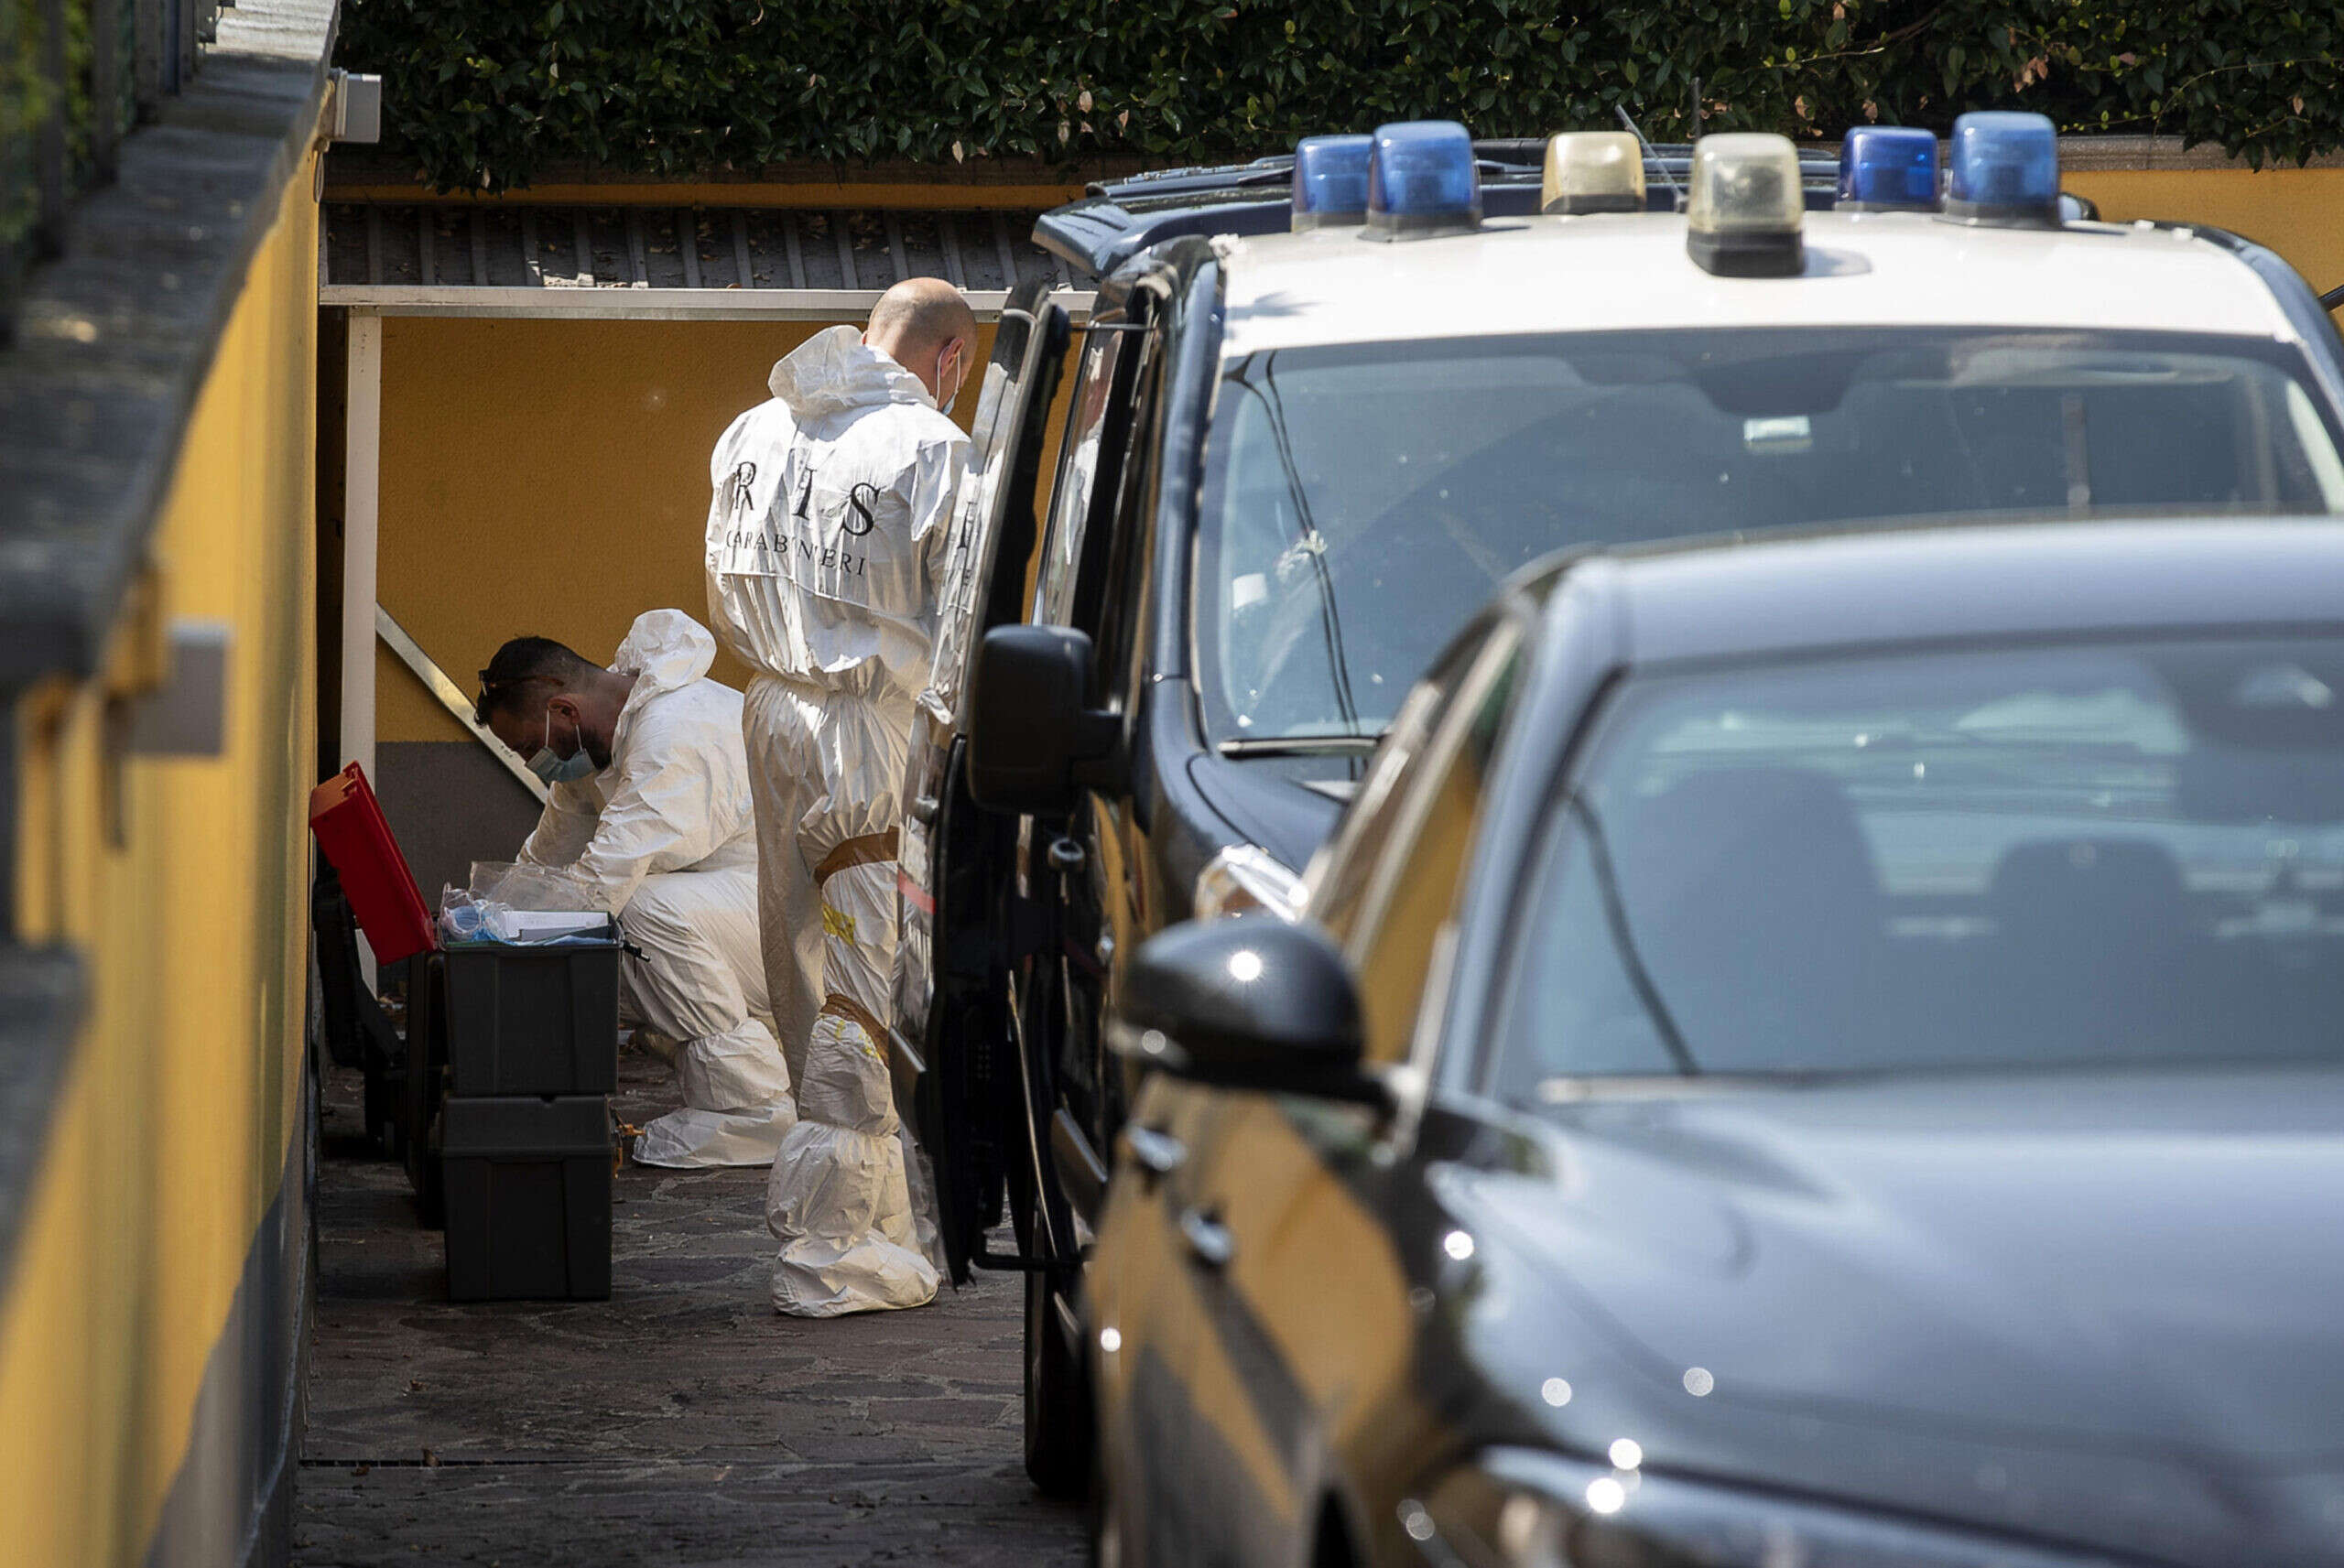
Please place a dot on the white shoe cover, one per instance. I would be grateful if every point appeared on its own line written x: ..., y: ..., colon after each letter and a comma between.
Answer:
x: 737, y: 1104
x: 836, y: 1198
x: 689, y: 1140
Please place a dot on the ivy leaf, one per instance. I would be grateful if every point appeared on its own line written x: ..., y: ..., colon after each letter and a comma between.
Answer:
x: 473, y: 91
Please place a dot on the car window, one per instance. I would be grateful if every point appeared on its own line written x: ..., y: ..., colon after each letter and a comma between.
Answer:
x: 1079, y: 456
x: 1417, y: 869
x: 1362, y: 500
x: 2099, y: 853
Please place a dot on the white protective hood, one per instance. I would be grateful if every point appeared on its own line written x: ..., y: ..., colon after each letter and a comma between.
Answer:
x: 666, y: 649
x: 835, y: 371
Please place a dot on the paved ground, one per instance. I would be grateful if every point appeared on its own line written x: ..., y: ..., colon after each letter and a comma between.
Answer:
x: 681, y: 1422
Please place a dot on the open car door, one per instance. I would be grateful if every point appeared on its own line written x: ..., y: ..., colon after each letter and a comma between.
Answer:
x: 956, y: 1078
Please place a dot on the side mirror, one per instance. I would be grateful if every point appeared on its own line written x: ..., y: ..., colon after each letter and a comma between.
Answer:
x: 1246, y: 1002
x: 1032, y: 744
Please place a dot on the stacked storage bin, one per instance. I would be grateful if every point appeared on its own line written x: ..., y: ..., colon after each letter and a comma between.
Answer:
x: 532, y: 1038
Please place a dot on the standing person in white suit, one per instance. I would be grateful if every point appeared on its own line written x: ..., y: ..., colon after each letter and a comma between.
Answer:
x: 648, y: 817
x: 825, y: 542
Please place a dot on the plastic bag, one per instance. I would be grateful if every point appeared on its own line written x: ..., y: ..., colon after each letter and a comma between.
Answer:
x: 464, y: 918
x: 516, y: 886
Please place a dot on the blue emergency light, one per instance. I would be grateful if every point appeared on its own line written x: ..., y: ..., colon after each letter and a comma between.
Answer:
x: 1330, y: 181
x: 1888, y: 168
x: 1421, y: 179
x: 2004, y: 170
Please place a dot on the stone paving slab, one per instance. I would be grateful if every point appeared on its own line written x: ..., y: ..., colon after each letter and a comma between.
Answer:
x: 681, y: 1422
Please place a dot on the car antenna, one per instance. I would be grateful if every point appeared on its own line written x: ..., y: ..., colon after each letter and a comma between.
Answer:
x: 1650, y: 156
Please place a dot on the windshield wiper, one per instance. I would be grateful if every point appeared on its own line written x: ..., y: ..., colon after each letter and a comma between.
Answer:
x: 1312, y: 546
x: 1299, y: 745
x: 1615, y: 913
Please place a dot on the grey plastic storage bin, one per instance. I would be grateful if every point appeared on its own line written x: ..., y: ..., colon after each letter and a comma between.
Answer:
x: 527, y: 1193
x: 533, y: 1021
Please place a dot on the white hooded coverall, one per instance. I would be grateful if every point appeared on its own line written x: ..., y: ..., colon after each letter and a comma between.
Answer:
x: 665, y: 838
x: 826, y: 541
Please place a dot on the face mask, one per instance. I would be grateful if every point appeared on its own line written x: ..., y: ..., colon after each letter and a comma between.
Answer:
x: 945, y: 408
x: 554, y: 770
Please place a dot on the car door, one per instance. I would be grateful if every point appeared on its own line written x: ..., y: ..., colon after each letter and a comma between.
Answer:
x: 1145, y: 1310
x: 954, y: 1086
x: 1071, y: 873
x: 1303, y: 1346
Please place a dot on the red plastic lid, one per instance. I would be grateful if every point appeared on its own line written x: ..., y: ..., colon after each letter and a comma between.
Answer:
x: 351, y: 833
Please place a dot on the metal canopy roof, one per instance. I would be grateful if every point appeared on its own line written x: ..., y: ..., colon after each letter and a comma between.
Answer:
x: 658, y: 262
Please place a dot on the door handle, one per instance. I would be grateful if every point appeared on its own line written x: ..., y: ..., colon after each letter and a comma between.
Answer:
x: 1066, y: 856
x: 1158, y: 1153
x: 1209, y: 1240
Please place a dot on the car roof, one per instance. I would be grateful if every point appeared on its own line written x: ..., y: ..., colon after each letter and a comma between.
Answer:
x: 1118, y: 219
x: 1957, y: 582
x: 1631, y: 270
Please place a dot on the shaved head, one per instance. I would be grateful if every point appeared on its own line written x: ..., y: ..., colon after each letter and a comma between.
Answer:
x: 923, y: 314
x: 925, y: 326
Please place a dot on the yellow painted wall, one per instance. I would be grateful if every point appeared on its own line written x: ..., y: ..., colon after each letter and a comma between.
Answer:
x: 550, y: 478
x: 2299, y: 212
x: 188, y: 907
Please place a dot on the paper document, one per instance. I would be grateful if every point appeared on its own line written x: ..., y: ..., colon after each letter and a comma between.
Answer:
x: 537, y: 925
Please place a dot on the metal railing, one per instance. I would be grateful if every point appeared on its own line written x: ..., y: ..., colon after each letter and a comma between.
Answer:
x: 75, y: 76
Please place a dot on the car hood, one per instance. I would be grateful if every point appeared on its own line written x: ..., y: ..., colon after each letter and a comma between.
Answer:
x: 2101, y: 1311
x: 1286, y: 804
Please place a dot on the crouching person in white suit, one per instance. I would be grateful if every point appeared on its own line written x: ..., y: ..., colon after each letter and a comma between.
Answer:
x: 649, y: 818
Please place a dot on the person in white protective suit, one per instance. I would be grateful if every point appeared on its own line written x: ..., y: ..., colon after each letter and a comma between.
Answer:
x: 826, y: 541
x: 649, y: 818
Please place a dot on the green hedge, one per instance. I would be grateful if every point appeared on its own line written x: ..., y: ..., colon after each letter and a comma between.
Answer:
x: 483, y: 92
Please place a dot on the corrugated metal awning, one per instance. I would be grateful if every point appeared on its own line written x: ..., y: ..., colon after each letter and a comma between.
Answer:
x: 638, y: 263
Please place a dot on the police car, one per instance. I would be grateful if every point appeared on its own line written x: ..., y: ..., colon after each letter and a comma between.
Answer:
x: 1324, y: 405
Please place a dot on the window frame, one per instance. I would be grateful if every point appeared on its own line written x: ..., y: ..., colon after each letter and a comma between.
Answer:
x: 1057, y: 590
x: 1384, y: 833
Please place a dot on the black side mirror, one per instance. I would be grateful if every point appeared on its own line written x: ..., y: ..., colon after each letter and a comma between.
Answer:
x: 1247, y: 1002
x: 1032, y: 744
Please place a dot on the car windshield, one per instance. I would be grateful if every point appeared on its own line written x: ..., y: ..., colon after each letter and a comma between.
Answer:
x: 2044, y: 856
x: 1362, y: 500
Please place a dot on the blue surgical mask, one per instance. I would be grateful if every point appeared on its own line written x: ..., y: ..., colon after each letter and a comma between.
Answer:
x: 555, y: 770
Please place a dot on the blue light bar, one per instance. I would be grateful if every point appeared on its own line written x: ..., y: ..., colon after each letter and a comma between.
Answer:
x: 1330, y: 180
x: 1422, y: 180
x: 1888, y: 168
x: 2004, y: 170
